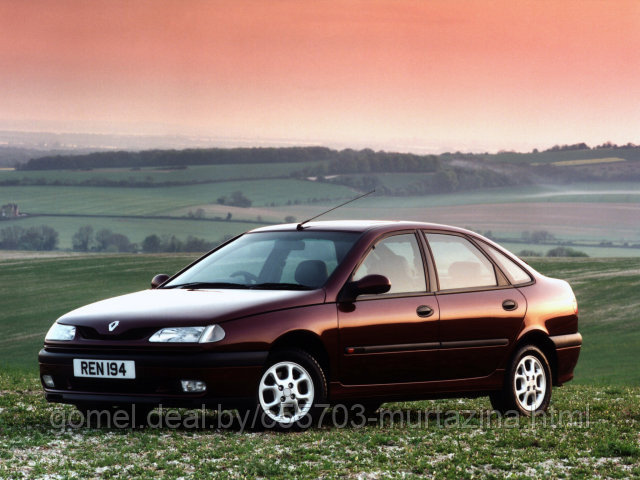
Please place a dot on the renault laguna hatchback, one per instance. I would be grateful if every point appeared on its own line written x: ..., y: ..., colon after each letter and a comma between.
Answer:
x: 286, y: 319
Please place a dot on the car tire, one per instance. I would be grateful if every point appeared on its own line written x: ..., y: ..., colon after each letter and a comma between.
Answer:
x: 527, y: 386
x: 497, y: 401
x: 292, y: 391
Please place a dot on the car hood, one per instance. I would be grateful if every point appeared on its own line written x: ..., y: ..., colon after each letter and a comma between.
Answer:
x: 165, y: 307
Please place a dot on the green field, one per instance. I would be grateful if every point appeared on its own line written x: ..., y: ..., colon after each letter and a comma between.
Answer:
x: 629, y: 154
x: 43, y: 289
x: 163, y: 200
x: 595, y: 252
x: 607, y: 293
x: 590, y: 432
x: 597, y: 192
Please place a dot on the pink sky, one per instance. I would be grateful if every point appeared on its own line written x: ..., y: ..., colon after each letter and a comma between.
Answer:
x: 396, y: 74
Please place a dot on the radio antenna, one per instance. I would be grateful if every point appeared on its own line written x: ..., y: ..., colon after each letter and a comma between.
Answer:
x: 301, y: 224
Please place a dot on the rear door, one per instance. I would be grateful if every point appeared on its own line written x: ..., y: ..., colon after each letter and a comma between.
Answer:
x: 391, y: 337
x: 481, y: 313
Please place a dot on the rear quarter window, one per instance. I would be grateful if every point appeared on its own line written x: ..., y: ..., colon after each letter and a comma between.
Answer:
x: 514, y: 272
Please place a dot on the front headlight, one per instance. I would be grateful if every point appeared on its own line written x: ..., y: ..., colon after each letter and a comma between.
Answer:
x: 210, y: 334
x: 61, y: 332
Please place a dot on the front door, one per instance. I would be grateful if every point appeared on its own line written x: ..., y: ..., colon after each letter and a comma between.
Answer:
x: 391, y: 337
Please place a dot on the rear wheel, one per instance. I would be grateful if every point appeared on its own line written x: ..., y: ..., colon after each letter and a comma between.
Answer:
x: 292, y: 390
x: 527, y: 387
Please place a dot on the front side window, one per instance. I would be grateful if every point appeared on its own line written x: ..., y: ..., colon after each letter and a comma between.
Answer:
x: 399, y: 259
x: 302, y: 260
x: 459, y: 263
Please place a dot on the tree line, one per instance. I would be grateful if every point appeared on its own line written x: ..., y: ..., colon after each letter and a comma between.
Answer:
x: 333, y: 161
x: 105, y: 240
x: 554, y: 252
x: 16, y: 237
x: 343, y: 161
x: 45, y: 238
x: 584, y: 146
x: 177, y: 158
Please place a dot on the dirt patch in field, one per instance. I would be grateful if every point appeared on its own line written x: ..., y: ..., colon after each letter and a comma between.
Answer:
x: 579, y: 219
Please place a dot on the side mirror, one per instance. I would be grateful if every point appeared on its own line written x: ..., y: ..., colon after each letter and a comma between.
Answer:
x: 369, y: 285
x: 159, y: 280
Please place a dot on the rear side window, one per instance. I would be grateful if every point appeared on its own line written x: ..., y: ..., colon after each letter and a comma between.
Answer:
x: 459, y: 263
x: 512, y: 270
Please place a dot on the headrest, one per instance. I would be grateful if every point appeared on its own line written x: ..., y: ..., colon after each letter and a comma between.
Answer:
x: 311, y: 273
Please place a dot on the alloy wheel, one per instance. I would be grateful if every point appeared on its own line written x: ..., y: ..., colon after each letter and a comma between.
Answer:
x: 530, y: 383
x: 286, y: 392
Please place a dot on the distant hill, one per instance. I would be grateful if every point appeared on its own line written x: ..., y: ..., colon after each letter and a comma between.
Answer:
x: 200, y: 156
x: 361, y: 169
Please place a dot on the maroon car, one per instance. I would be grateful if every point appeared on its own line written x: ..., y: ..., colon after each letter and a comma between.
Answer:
x: 288, y: 318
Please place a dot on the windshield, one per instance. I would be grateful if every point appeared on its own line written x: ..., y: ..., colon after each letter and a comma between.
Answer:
x: 270, y: 260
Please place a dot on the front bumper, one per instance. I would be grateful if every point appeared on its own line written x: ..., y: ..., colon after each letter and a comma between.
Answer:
x: 231, y: 378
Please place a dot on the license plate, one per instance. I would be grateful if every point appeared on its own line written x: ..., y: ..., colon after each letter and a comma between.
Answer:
x: 104, y: 368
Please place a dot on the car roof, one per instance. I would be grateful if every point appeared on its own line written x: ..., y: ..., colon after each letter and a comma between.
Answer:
x: 360, y: 226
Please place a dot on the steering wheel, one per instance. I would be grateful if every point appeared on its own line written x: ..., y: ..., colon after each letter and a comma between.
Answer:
x: 248, y: 276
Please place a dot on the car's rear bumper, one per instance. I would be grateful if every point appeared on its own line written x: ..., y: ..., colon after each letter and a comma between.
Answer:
x: 231, y: 378
x: 567, y: 353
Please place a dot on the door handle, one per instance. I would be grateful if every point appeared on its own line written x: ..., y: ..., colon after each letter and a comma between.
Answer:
x: 424, y: 311
x: 509, y: 305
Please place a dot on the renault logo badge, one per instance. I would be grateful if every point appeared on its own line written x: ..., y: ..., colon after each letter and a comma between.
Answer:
x: 113, y: 325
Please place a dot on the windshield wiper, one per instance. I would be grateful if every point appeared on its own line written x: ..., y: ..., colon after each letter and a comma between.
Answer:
x: 280, y: 286
x: 195, y: 285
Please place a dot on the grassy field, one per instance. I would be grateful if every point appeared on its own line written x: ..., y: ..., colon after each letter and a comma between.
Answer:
x: 606, y: 290
x: 630, y: 154
x: 43, y: 289
x: 596, y: 192
x: 590, y: 431
x: 161, y: 201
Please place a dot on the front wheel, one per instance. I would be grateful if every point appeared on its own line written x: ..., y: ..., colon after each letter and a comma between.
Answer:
x: 292, y: 390
x: 527, y: 387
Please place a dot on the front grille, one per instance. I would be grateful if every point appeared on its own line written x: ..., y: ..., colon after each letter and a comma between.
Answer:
x: 89, y: 333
